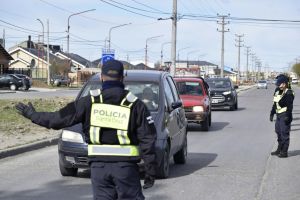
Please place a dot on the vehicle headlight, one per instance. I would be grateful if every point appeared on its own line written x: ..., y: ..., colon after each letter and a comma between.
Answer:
x: 227, y: 92
x: 198, y: 109
x: 70, y: 136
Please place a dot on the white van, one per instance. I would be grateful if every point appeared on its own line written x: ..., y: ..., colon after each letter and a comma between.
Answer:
x: 295, y: 81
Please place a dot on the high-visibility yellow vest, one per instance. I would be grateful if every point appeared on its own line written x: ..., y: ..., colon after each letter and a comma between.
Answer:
x: 277, y: 98
x: 114, y: 117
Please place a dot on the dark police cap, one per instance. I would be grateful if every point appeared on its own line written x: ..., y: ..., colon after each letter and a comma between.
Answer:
x: 282, y: 79
x: 113, y: 68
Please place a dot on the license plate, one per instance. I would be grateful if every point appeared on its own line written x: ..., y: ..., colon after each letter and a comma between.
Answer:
x: 215, y: 101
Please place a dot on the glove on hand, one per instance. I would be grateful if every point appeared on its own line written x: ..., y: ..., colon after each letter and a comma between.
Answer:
x: 25, y: 110
x: 271, y: 117
x: 148, y: 182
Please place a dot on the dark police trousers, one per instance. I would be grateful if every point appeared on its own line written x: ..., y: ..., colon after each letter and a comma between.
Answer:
x: 116, y: 180
x: 283, y: 132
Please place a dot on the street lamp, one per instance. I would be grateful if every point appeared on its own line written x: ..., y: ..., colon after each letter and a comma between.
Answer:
x: 43, y: 29
x: 68, y: 37
x: 187, y: 56
x: 146, y: 49
x: 109, y: 34
x: 181, y: 50
x: 161, y: 52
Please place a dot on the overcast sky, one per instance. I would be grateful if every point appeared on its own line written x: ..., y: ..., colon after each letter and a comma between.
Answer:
x: 276, y: 45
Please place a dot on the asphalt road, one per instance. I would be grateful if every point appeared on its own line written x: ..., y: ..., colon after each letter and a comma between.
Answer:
x: 34, y: 93
x: 230, y: 162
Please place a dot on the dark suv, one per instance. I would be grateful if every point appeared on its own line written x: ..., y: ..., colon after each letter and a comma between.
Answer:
x: 223, y: 93
x: 158, y: 91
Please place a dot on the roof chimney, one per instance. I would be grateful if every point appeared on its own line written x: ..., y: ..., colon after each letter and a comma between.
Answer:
x: 29, y: 43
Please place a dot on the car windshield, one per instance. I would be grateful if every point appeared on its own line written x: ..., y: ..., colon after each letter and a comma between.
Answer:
x: 262, y: 81
x: 189, y: 88
x: 148, y: 92
x: 218, y: 83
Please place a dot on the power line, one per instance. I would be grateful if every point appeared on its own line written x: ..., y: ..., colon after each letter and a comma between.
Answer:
x: 69, y: 12
x: 127, y: 10
x: 116, y: 2
x: 146, y: 6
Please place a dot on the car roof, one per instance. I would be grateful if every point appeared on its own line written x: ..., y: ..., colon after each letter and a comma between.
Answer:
x: 194, y: 79
x: 217, y: 78
x: 138, y: 75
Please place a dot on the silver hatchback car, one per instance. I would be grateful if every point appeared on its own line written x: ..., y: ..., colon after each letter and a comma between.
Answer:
x: 262, y: 84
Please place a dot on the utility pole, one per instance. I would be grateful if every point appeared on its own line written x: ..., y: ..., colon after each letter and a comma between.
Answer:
x: 239, y: 45
x: 48, y: 61
x: 247, y: 66
x: 3, y: 38
x: 174, y: 36
x: 223, y: 23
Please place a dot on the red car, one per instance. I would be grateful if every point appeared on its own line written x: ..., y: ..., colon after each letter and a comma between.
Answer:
x: 196, y: 100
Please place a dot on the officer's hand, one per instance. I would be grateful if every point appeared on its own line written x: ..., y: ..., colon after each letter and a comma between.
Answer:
x: 148, y: 181
x: 25, y: 110
x: 287, y: 120
x: 271, y: 117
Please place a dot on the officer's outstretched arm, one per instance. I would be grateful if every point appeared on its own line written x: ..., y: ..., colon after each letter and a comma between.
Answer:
x: 69, y: 115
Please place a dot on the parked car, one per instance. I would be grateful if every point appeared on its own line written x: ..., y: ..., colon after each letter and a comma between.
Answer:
x: 10, y: 81
x: 58, y: 80
x: 262, y: 84
x: 223, y: 93
x: 295, y: 81
x: 196, y: 100
x: 167, y: 112
x: 27, y: 83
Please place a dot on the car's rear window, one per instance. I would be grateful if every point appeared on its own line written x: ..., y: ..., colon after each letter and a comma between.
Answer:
x: 215, y: 83
x: 189, y: 88
x: 148, y: 92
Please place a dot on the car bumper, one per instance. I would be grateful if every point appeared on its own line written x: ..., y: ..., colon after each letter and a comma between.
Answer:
x: 262, y: 86
x: 76, y: 154
x: 73, y: 154
x: 222, y: 101
x: 195, y: 117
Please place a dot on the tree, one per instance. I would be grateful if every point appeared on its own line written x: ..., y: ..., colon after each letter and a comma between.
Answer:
x: 157, y: 65
x: 60, y: 67
x: 296, y: 69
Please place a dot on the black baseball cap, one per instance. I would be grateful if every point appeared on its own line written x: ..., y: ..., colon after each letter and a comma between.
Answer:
x: 113, y: 68
x: 282, y: 79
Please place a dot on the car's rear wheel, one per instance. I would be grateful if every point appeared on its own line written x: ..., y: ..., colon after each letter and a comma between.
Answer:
x: 13, y: 87
x: 66, y: 171
x: 205, y: 124
x: 181, y: 156
x: 163, y: 168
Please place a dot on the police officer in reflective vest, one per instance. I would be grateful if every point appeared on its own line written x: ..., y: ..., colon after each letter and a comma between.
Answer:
x: 119, y: 131
x: 283, y: 107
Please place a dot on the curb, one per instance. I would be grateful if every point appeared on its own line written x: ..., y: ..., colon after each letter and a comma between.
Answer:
x: 7, y: 92
x: 27, y: 147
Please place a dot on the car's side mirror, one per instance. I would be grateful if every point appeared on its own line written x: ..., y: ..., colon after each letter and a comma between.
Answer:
x: 176, y: 104
x: 236, y: 87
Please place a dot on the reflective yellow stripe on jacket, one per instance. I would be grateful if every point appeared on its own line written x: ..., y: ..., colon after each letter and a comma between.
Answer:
x: 276, y: 99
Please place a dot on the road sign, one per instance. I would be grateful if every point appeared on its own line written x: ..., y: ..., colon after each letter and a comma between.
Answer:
x: 107, y: 55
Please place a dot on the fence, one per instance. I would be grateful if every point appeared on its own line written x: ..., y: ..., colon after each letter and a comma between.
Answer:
x: 34, y: 73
